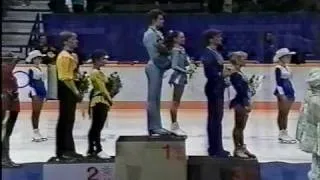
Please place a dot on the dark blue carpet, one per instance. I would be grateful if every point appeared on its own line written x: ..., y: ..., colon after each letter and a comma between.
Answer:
x: 284, y: 171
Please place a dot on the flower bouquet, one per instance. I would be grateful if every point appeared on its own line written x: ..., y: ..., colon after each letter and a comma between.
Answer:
x: 114, y: 84
x: 192, y: 68
x: 83, y: 83
x: 255, y: 83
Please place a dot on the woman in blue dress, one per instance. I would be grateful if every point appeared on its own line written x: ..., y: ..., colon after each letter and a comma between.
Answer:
x: 241, y: 103
x: 284, y: 92
x: 179, y: 78
x: 37, y: 92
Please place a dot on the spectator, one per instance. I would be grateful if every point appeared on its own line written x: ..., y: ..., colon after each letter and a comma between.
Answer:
x: 78, y: 6
x: 269, y: 48
x: 58, y: 6
x: 46, y: 49
x: 91, y: 5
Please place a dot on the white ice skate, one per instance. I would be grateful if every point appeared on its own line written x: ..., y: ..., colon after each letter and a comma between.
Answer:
x: 175, y: 128
x: 240, y: 153
x: 285, y: 138
x: 103, y: 155
x: 37, y: 137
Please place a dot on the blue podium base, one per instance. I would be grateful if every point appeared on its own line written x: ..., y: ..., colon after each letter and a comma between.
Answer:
x: 32, y: 171
x: 61, y: 171
x: 197, y: 168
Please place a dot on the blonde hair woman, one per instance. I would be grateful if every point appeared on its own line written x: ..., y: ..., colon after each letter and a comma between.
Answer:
x: 308, y: 129
x: 284, y: 92
x: 241, y: 103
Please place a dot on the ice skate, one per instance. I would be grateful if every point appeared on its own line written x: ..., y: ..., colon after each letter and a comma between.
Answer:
x: 175, y: 128
x: 246, y: 151
x: 240, y: 152
x: 37, y: 137
x: 285, y: 138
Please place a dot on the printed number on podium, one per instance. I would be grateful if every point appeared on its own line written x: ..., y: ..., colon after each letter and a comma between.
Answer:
x: 93, y: 172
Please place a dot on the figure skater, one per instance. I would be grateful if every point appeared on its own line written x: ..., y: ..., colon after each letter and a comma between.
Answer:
x: 69, y: 95
x: 214, y: 89
x: 37, y: 92
x: 241, y: 103
x: 179, y: 78
x: 11, y: 103
x: 159, y: 62
x: 284, y: 92
x: 100, y: 103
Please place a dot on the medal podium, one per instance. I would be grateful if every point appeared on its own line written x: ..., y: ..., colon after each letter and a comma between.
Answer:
x: 146, y: 158
x: 208, y: 168
x: 81, y: 170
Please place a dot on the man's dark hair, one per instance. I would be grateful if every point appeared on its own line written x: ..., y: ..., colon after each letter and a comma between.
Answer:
x: 154, y: 14
x: 209, y: 34
x: 97, y: 54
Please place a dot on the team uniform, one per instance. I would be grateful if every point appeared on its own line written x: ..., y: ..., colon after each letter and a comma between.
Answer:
x: 37, y: 89
x: 214, y: 90
x: 284, y: 87
x: 100, y: 107
x: 36, y: 83
x: 283, y: 82
x: 179, y: 78
x: 240, y: 83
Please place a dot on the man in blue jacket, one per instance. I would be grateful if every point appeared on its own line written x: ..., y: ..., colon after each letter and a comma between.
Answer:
x: 214, y: 89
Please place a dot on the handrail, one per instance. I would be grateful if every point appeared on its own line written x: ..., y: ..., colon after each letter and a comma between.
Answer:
x: 34, y: 34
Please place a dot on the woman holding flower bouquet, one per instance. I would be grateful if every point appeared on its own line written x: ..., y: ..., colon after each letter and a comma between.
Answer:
x: 240, y: 103
x: 179, y: 78
x: 100, y: 103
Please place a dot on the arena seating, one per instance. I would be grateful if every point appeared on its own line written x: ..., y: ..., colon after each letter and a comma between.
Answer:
x: 121, y: 35
x: 136, y: 6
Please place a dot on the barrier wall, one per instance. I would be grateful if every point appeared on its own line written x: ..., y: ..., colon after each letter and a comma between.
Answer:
x: 134, y: 92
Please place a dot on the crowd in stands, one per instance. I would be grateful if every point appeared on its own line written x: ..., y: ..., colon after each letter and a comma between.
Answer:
x: 211, y: 6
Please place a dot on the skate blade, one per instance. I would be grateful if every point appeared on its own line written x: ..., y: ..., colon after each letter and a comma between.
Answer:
x: 288, y: 142
x: 39, y: 140
x: 241, y: 157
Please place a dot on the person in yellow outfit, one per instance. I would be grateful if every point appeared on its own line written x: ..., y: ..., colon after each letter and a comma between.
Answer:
x: 69, y: 95
x: 100, y: 103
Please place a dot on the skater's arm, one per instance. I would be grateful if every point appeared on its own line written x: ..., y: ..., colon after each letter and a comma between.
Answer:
x: 278, y: 81
x: 240, y: 87
x: 176, y: 58
x: 98, y: 84
x: 66, y: 66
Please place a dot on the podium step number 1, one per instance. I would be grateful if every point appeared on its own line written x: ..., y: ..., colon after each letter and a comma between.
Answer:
x: 146, y: 158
